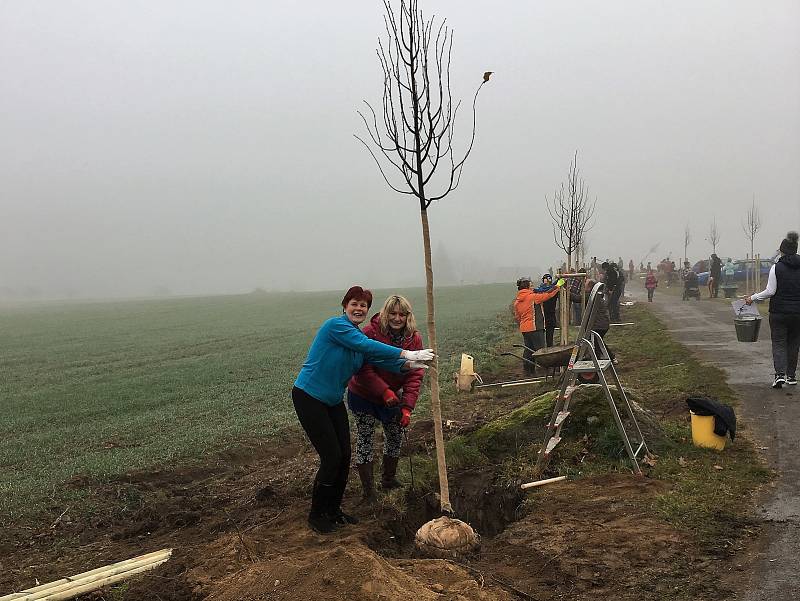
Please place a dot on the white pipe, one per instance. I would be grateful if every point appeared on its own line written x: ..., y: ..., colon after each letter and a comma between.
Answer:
x: 543, y: 482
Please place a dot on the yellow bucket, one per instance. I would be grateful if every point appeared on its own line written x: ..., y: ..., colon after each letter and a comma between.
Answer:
x: 703, y: 432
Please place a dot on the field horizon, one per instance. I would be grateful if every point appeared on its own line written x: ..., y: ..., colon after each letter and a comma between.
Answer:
x: 94, y: 389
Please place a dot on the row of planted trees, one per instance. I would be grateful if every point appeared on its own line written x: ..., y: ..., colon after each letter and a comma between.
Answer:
x: 751, y: 224
x: 410, y: 136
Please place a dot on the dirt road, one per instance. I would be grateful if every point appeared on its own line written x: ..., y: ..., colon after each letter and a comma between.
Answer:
x: 706, y: 327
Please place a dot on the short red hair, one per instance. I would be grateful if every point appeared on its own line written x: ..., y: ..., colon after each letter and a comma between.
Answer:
x: 358, y: 293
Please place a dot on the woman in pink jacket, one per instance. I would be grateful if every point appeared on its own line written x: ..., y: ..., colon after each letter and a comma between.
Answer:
x: 651, y: 282
x: 376, y: 395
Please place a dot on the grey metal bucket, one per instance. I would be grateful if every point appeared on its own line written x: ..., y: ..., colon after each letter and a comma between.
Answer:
x: 747, y: 328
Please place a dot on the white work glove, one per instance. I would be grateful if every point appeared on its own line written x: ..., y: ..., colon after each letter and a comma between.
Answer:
x: 423, y: 355
x: 415, y: 365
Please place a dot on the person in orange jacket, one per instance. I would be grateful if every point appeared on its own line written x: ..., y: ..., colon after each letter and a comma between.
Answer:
x: 530, y: 317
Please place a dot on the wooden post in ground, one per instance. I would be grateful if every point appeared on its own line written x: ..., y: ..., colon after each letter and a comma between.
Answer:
x: 747, y: 275
x: 566, y: 304
x: 758, y: 272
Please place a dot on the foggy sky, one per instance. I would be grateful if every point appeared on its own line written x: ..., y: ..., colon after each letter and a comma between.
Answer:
x: 207, y: 147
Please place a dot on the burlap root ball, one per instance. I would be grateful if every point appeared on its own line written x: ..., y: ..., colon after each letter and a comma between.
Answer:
x: 446, y: 538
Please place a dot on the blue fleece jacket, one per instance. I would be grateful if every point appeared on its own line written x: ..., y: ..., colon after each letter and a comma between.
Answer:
x: 336, y: 354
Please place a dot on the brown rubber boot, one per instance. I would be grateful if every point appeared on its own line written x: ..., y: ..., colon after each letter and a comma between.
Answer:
x: 388, y: 480
x: 365, y: 472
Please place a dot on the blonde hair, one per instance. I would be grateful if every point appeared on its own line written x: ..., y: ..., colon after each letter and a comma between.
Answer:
x: 401, y: 303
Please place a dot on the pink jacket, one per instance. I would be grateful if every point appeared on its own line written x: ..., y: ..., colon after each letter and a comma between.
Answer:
x: 371, y: 382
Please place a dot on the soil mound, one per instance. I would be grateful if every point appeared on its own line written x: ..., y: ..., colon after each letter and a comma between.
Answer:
x: 354, y: 572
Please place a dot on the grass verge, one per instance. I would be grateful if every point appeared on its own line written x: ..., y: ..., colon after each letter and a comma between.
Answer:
x: 707, y: 494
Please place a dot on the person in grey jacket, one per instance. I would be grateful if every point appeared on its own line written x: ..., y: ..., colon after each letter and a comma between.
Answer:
x: 602, y: 319
x: 783, y: 288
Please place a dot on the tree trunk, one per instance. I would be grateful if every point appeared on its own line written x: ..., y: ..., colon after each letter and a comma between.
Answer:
x: 433, y: 375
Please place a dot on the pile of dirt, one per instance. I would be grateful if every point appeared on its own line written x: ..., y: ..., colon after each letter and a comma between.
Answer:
x: 348, y: 570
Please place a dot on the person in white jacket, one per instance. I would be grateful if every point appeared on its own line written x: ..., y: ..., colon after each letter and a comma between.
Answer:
x: 783, y: 288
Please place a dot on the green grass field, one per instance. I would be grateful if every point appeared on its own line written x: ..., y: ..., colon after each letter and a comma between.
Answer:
x: 96, y: 389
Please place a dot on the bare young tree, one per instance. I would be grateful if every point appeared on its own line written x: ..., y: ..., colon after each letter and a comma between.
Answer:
x: 687, y: 240
x: 751, y: 225
x: 414, y: 138
x: 713, y: 235
x: 571, y: 212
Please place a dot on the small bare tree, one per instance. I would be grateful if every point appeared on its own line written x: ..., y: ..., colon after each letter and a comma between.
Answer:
x: 414, y: 137
x: 687, y: 240
x: 713, y: 235
x: 751, y: 225
x: 571, y: 212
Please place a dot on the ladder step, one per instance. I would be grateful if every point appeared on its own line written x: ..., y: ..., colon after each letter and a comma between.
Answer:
x: 551, y: 444
x: 562, y: 415
x: 587, y: 367
x: 568, y: 392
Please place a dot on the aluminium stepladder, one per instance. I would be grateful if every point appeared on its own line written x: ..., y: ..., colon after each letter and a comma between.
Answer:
x: 590, y: 356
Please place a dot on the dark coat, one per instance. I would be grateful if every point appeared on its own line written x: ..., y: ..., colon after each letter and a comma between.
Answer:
x: 724, y: 417
x: 716, y: 268
x: 602, y: 320
x: 787, y: 296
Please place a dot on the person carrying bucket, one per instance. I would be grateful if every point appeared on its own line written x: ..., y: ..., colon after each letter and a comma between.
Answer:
x: 783, y: 288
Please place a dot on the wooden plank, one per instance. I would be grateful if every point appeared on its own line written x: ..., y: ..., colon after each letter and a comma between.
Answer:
x: 149, y: 561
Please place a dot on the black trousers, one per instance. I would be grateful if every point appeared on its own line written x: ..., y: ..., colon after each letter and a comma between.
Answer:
x: 650, y: 294
x: 785, y: 328
x: 328, y: 429
x: 535, y: 341
x: 613, y: 305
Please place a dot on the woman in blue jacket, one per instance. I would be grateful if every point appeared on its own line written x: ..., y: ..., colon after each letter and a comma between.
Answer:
x: 338, y: 351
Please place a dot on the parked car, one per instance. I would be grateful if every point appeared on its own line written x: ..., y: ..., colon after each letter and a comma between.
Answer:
x: 740, y: 274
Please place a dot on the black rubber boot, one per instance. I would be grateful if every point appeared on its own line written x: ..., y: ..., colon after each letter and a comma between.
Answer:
x: 318, y: 518
x: 367, y: 474
x: 334, y: 512
x: 388, y: 480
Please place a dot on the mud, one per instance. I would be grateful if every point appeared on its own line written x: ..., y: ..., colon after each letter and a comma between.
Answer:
x: 237, y: 524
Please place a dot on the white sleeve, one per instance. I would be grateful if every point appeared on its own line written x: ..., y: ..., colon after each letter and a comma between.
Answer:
x: 772, y: 286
